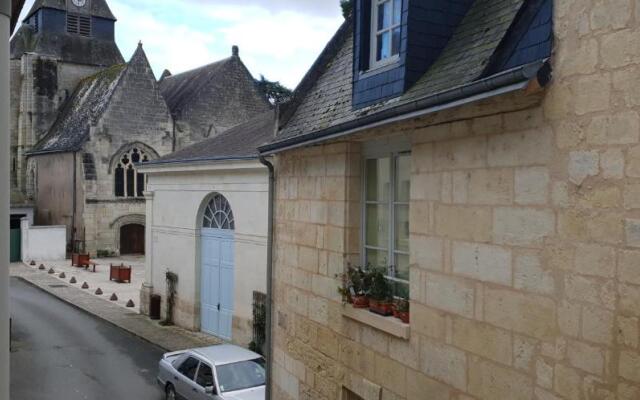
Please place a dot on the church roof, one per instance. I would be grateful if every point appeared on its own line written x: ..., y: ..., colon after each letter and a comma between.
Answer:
x: 83, y: 109
x: 178, y: 89
x: 99, y: 8
x: 238, y: 143
x: 74, y: 49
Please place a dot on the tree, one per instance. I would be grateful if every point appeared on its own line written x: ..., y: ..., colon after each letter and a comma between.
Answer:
x: 347, y: 7
x: 275, y: 92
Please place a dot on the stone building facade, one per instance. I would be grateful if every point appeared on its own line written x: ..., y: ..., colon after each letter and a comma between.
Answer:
x: 523, y: 230
x: 82, y: 118
x: 86, y: 178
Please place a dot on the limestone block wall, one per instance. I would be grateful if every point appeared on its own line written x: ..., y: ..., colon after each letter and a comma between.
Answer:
x: 525, y: 242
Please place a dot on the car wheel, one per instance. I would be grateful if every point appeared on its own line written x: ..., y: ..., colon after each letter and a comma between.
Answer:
x: 170, y: 392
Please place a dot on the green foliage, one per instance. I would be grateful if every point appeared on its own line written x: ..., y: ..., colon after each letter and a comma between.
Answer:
x: 380, y: 290
x: 357, y: 279
x: 347, y: 7
x: 275, y: 92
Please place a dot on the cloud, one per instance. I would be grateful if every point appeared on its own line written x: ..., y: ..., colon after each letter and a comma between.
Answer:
x: 278, y: 38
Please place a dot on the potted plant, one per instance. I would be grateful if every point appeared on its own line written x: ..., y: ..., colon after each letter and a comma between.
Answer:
x: 401, y: 310
x: 380, y: 299
x: 355, y: 287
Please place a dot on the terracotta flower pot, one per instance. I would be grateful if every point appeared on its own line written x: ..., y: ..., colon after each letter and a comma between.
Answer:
x: 384, y: 308
x: 360, y: 302
x: 402, y: 316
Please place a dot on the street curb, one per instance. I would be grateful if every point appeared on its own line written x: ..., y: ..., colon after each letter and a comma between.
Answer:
x: 166, y: 338
x: 84, y: 310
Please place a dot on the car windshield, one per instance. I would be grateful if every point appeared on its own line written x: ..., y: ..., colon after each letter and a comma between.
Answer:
x: 241, y: 375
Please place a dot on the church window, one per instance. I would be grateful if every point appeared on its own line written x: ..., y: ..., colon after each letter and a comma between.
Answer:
x: 79, y: 24
x: 128, y: 181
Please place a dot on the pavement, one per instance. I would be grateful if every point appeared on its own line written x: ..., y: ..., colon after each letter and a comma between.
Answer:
x: 60, y: 352
x: 168, y: 338
x: 100, y: 279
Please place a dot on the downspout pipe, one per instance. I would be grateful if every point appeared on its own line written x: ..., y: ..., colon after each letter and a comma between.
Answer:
x: 5, y: 23
x: 269, y: 311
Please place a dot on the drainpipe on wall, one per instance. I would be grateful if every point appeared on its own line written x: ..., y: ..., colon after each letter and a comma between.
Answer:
x: 268, y: 336
x: 5, y: 16
x: 75, y: 203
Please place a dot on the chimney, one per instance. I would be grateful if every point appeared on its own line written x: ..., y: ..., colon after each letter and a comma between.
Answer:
x: 235, y: 51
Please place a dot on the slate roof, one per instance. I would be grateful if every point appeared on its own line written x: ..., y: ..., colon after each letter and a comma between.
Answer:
x: 179, y: 89
x: 99, y: 8
x: 85, y: 107
x: 240, y: 142
x: 323, y: 99
x: 68, y: 48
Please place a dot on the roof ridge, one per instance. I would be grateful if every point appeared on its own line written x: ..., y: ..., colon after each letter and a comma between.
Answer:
x: 181, y: 74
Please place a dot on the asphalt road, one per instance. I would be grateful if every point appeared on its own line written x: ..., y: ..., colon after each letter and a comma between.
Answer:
x: 59, y: 352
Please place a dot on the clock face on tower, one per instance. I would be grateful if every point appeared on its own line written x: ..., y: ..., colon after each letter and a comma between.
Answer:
x: 79, y: 3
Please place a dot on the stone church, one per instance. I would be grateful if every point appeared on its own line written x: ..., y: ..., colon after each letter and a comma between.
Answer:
x: 82, y: 119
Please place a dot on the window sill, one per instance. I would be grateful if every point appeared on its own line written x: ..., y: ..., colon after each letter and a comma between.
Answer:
x: 381, y: 67
x: 389, y: 325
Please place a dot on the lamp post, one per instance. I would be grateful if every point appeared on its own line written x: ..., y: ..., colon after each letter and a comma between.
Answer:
x: 5, y: 17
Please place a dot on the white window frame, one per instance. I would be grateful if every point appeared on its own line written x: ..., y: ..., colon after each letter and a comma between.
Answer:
x: 392, y: 152
x: 373, y: 63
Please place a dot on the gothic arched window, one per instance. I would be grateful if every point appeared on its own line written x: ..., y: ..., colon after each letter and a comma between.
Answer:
x: 218, y: 214
x: 129, y: 182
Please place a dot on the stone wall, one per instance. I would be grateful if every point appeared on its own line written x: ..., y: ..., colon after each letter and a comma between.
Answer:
x: 137, y: 117
x: 525, y: 241
x: 40, y: 86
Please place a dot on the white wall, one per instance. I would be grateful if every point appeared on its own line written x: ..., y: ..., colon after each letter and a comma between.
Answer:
x: 174, y: 241
x: 41, y: 243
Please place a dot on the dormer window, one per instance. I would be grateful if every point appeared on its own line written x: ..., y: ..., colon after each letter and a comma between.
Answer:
x: 386, y: 19
x: 79, y: 24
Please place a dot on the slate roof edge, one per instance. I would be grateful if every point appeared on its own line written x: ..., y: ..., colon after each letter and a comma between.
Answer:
x: 332, y: 48
x: 47, y: 152
x: 503, y: 82
x: 198, y: 160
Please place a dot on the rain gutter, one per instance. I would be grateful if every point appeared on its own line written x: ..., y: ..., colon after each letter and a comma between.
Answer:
x: 269, y: 316
x: 508, y: 81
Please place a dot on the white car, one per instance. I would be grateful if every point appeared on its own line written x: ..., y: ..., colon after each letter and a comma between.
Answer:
x: 221, y: 372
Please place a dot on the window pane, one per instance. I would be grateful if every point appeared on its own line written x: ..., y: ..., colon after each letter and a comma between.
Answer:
x: 140, y: 184
x: 377, y: 258
x: 131, y: 182
x: 119, y: 182
x: 402, y: 266
x: 395, y: 42
x: 378, y: 179
x: 397, y: 11
x: 384, y: 15
x: 377, y: 233
x: 401, y: 289
x: 205, y: 376
x: 189, y: 367
x: 384, y: 45
x: 401, y: 228
x: 403, y: 179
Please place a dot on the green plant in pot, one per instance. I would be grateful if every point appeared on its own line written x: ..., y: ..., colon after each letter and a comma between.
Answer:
x: 401, y: 310
x: 380, y: 296
x: 355, y: 287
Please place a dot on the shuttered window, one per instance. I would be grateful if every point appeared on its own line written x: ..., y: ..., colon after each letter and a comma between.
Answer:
x: 79, y: 24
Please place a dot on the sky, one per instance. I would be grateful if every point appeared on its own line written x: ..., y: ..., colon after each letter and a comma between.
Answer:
x: 279, y: 39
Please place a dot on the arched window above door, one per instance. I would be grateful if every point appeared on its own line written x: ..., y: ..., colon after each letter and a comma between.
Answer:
x: 128, y: 181
x: 218, y: 214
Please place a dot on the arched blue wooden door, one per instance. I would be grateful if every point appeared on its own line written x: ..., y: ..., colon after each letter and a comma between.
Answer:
x: 217, y: 259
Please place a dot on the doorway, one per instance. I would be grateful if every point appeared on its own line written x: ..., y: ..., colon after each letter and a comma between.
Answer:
x: 132, y: 239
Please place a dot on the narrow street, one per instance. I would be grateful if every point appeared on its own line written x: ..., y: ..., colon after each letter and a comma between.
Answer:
x: 59, y: 352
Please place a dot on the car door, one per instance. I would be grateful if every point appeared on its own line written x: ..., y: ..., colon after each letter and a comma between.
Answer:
x: 184, y: 383
x: 204, y: 380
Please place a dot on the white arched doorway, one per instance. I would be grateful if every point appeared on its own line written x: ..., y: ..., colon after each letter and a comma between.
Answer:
x: 217, y: 268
